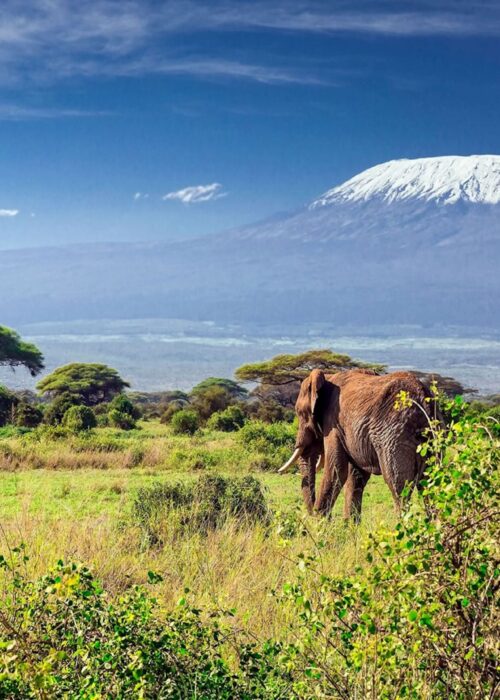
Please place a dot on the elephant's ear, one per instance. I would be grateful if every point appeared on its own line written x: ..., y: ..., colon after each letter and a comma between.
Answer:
x: 317, y: 379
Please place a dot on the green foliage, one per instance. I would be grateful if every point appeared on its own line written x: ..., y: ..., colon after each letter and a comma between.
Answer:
x: 211, y: 400
x: 192, y: 459
x: 285, y: 369
x: 200, y: 506
x: 62, y: 637
x: 185, y: 422
x: 486, y: 413
x: 27, y: 415
x: 122, y: 413
x: 7, y: 405
x: 78, y: 419
x: 271, y: 444
x: 169, y: 412
x: 229, y: 385
x: 55, y: 411
x: 15, y: 352
x: 262, y: 437
x: 89, y: 384
x: 228, y: 421
x: 270, y: 411
x: 420, y: 620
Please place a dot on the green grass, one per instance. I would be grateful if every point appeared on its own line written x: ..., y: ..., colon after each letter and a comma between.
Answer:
x: 71, y: 498
x: 86, y: 493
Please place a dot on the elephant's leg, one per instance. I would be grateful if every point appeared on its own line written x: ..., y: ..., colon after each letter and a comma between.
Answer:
x: 355, y: 485
x: 334, y: 476
x: 399, y: 467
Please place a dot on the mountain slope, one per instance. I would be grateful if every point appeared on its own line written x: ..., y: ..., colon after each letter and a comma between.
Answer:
x: 404, y: 242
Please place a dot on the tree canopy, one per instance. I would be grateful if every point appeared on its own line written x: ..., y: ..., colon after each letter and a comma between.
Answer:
x: 232, y: 387
x: 287, y: 369
x: 15, y: 352
x: 90, y: 384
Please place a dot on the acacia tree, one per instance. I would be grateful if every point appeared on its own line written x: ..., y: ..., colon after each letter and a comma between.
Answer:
x: 15, y: 352
x: 286, y: 369
x: 85, y: 383
x: 229, y: 385
x: 278, y: 379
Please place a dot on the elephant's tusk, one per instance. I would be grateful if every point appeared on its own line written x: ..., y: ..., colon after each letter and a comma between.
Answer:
x: 291, y: 461
x: 321, y: 461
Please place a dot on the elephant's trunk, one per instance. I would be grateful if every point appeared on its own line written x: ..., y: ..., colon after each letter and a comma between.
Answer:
x: 291, y: 461
x: 308, y: 481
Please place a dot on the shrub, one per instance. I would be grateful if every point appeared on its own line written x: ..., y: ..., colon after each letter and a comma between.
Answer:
x: 270, y: 411
x: 79, y: 418
x: 210, y: 400
x: 7, y: 404
x: 203, y: 505
x: 57, y: 408
x: 171, y: 409
x: 122, y: 413
x: 265, y: 438
x: 185, y: 422
x: 61, y: 636
x: 228, y: 421
x: 420, y: 620
x: 27, y: 415
x: 192, y: 459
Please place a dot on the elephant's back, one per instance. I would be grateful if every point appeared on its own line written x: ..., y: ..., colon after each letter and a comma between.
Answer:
x: 377, y: 398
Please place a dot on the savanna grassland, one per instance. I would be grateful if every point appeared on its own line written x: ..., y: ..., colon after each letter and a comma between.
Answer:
x: 73, y: 498
x: 150, y: 549
x: 144, y: 564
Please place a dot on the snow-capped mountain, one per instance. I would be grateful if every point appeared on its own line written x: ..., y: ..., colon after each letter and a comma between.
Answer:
x: 405, y: 242
x: 445, y: 180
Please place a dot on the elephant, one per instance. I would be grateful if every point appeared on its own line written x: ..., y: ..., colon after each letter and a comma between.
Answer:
x: 349, y: 423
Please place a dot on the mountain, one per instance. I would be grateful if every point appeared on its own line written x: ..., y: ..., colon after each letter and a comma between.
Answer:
x: 408, y: 241
x: 446, y: 180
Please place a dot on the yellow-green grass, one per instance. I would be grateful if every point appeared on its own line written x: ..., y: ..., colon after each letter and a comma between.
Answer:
x: 84, y: 514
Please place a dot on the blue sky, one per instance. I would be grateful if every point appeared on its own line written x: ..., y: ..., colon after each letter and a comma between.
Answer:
x: 144, y: 120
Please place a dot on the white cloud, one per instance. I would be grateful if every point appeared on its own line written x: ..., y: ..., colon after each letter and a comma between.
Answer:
x: 140, y: 195
x: 9, y: 212
x: 197, y: 193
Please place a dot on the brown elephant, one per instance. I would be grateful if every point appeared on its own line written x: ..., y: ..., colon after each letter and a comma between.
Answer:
x: 348, y: 422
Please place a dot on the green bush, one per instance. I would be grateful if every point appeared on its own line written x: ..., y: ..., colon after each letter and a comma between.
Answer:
x: 228, y: 421
x: 270, y: 411
x: 210, y: 399
x: 185, y: 422
x: 122, y: 413
x: 78, y: 419
x: 201, y: 506
x: 264, y: 438
x: 170, y: 410
x: 7, y: 405
x: 192, y: 459
x: 56, y: 410
x: 420, y: 620
x: 62, y: 636
x: 27, y: 415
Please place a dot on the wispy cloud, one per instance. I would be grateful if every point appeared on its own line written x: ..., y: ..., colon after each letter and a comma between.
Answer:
x: 54, y: 39
x: 12, y: 112
x: 9, y: 212
x: 197, y: 193
x: 140, y: 195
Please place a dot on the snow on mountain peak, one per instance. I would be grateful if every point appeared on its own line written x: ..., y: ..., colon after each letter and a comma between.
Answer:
x: 447, y: 179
